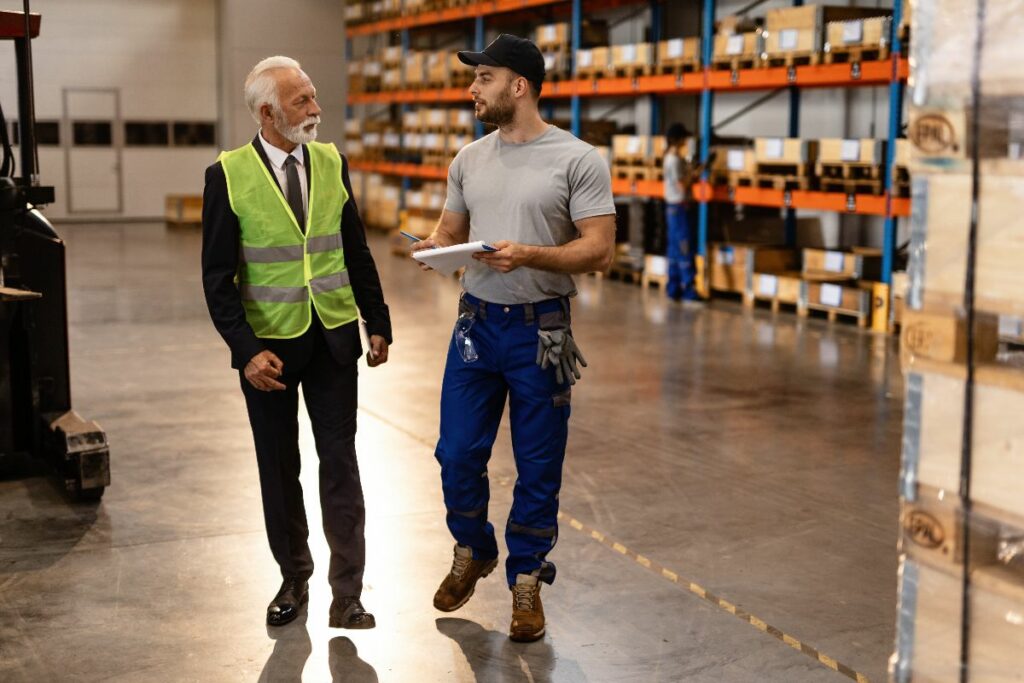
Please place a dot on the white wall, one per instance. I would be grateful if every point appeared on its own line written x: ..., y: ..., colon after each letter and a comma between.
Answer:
x: 183, y: 60
x: 160, y: 54
x: 311, y: 31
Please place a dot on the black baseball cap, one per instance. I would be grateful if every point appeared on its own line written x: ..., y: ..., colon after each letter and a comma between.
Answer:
x: 512, y: 52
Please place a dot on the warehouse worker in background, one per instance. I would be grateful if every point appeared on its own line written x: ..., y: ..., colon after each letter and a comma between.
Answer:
x: 678, y: 176
x: 543, y: 199
x: 278, y: 216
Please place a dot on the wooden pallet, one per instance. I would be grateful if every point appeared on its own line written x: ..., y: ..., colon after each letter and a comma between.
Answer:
x: 791, y: 59
x: 779, y: 182
x: 775, y: 304
x: 623, y: 159
x: 783, y: 168
x: 848, y: 170
x: 736, y: 63
x: 833, y: 315
x: 628, y: 71
x: 852, y: 186
x: 861, y: 312
x: 439, y: 160
x: 633, y: 172
x: 677, y: 67
x: 460, y: 79
x: 625, y: 272
x: 658, y: 280
x: 841, y: 54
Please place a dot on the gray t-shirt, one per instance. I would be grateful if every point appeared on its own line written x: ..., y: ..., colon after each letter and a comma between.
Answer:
x: 673, y: 169
x: 528, y: 193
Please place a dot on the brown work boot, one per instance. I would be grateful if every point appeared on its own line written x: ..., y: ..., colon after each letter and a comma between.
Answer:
x: 527, y: 611
x: 457, y: 588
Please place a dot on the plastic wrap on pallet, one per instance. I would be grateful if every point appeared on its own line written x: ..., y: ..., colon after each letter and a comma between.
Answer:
x: 950, y: 544
x: 936, y: 565
x: 941, y: 94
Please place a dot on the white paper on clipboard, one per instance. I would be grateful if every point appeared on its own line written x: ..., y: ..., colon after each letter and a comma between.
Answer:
x: 447, y: 260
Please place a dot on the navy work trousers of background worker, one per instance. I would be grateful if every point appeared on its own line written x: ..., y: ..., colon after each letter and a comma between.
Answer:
x: 331, y: 395
x: 680, y: 253
x: 472, y: 401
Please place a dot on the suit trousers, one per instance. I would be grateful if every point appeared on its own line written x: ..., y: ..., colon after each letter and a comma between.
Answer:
x: 331, y: 397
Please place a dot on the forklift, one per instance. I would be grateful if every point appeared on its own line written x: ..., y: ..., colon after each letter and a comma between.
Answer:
x: 37, y: 424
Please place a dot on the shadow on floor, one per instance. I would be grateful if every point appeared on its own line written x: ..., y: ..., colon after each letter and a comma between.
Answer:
x: 494, y: 658
x: 345, y: 664
x: 292, y: 648
x: 39, y: 524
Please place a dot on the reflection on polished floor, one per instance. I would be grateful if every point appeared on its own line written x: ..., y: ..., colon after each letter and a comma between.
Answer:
x: 753, y: 456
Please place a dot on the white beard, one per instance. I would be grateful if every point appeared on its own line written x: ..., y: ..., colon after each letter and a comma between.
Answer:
x: 297, y: 135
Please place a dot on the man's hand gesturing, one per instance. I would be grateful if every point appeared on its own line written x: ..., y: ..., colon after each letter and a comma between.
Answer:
x: 263, y: 370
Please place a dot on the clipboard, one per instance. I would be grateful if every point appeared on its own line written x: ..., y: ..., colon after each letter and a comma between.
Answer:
x: 447, y: 260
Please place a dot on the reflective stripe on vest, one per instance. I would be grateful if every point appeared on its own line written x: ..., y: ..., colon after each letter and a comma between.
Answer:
x: 285, y: 272
x: 282, y: 295
x: 293, y: 253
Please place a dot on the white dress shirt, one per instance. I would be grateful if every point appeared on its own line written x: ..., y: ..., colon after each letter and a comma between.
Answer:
x: 277, y: 158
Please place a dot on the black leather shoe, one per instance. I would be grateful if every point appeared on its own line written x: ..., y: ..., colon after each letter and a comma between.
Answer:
x: 348, y: 612
x: 289, y: 600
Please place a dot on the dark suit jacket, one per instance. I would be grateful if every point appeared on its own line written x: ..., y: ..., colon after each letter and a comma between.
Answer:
x: 221, y: 245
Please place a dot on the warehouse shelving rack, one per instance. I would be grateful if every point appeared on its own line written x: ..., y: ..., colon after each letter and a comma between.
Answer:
x: 708, y: 83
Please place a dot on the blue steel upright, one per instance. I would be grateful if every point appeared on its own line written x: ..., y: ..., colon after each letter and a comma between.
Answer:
x: 406, y: 181
x: 794, y: 132
x: 577, y: 34
x: 478, y: 46
x: 473, y: 397
x: 895, y: 125
x: 707, y: 36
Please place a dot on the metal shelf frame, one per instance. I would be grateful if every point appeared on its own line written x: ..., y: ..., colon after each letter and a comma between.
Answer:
x: 708, y: 82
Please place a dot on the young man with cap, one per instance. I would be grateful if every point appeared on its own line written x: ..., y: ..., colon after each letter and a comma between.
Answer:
x: 543, y: 199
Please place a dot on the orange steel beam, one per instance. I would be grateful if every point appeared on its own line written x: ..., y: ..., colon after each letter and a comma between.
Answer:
x: 447, y: 15
x: 403, y: 170
x: 479, y: 9
x: 810, y: 76
x: 817, y: 76
x: 838, y: 202
x: 798, y: 199
x: 623, y: 187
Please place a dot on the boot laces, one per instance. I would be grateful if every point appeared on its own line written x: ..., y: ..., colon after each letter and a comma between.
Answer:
x: 523, y: 596
x: 459, y: 565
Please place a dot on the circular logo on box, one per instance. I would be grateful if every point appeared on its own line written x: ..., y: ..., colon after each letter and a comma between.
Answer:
x: 917, y: 338
x: 924, y: 530
x: 934, y: 134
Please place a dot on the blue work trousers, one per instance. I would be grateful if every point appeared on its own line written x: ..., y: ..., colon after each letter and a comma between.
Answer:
x: 680, y: 254
x: 473, y: 399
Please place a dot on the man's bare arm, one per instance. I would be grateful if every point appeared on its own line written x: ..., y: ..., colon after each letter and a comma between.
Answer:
x: 452, y: 228
x: 591, y: 252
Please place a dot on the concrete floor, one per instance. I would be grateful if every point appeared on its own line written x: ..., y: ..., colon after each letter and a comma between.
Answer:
x: 753, y: 456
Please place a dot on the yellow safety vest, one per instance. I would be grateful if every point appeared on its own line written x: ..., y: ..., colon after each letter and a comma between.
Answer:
x: 285, y: 271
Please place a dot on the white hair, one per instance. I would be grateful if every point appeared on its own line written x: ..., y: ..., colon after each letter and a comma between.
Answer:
x: 261, y: 87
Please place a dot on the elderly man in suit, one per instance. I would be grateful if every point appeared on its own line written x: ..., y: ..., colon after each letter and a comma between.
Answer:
x: 287, y: 276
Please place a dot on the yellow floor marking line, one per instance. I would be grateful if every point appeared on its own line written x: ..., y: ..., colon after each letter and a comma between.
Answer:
x: 670, y: 575
x: 718, y: 602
